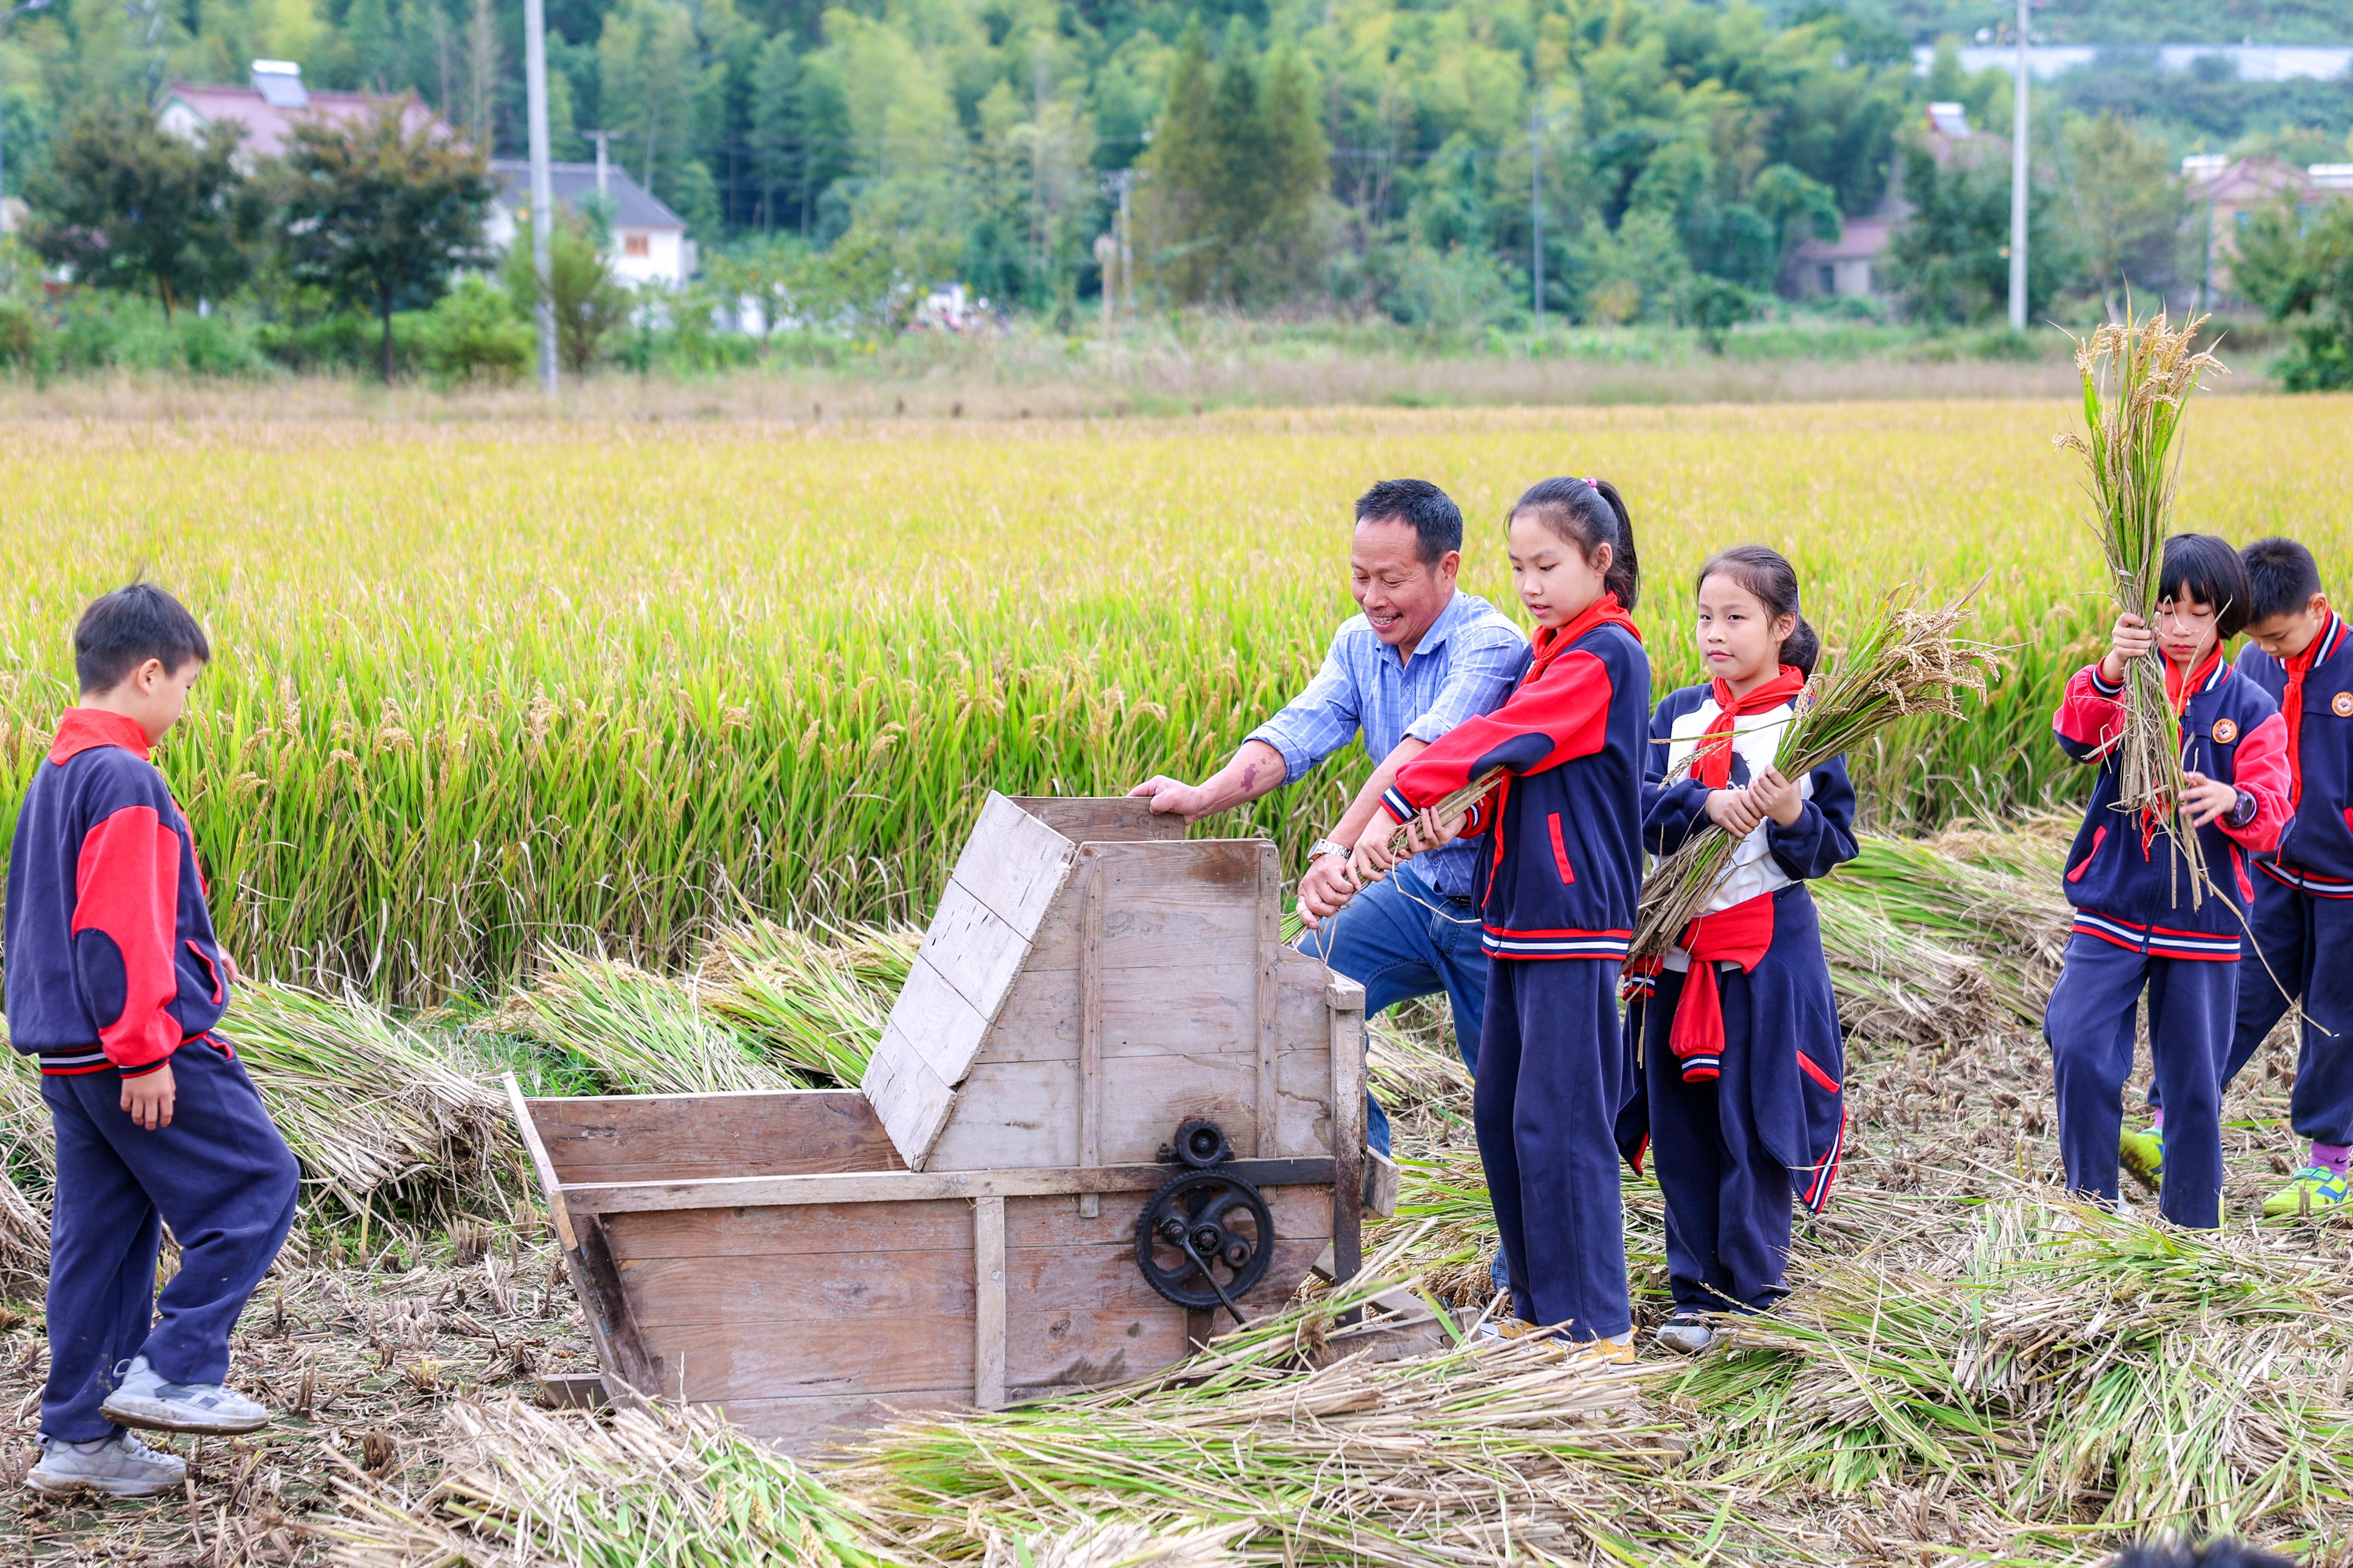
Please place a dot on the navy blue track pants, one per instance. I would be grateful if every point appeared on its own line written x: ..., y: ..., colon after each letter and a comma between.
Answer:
x: 2089, y: 1026
x: 219, y: 1175
x: 1551, y: 1080
x: 1727, y: 1199
x: 2308, y: 943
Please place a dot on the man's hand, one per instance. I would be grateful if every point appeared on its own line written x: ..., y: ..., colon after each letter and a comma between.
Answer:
x: 1175, y: 795
x: 2204, y: 799
x: 2128, y: 639
x: 148, y: 1098
x: 1777, y: 797
x: 1324, y: 890
x: 1734, y: 811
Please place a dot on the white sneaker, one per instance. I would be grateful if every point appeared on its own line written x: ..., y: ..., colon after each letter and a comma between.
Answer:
x: 120, y: 1466
x: 1688, y: 1336
x: 142, y: 1398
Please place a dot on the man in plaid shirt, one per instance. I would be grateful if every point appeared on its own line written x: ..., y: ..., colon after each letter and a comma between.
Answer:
x: 1422, y: 659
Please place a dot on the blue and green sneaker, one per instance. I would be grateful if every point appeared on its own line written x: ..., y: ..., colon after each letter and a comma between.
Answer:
x: 2315, y: 1190
x: 2143, y: 1155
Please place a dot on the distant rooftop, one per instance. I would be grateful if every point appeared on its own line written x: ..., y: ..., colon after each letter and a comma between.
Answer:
x: 274, y: 105
x: 1948, y: 119
x: 633, y: 205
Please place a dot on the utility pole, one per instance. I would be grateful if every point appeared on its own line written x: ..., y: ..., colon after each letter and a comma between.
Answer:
x: 542, y: 184
x: 6, y: 18
x: 1536, y: 209
x: 2017, y: 185
x: 1121, y: 182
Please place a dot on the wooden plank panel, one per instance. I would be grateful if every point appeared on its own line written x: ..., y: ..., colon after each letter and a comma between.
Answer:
x: 1146, y: 1011
x: 1014, y: 863
x: 1269, y: 943
x: 1054, y: 1223
x: 747, y: 1235
x: 1090, y: 1018
x: 836, y: 1357
x: 885, y: 1187
x: 989, y: 1302
x: 1013, y: 1114
x: 1347, y: 1002
x: 932, y: 1019
x: 908, y: 1098
x: 645, y: 1137
x: 1168, y: 905
x: 1100, y: 818
x: 808, y: 1426
x: 973, y: 949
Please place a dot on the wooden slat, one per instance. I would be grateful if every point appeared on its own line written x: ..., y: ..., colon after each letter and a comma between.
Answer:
x: 1091, y: 1063
x: 1270, y: 943
x: 763, y: 1132
x: 1097, y: 818
x: 1014, y: 863
x: 1347, y: 1003
x: 973, y: 948
x: 988, y: 1304
x: 541, y: 1166
x: 916, y: 1186
x: 811, y: 1424
x: 932, y: 1020
x: 909, y: 1099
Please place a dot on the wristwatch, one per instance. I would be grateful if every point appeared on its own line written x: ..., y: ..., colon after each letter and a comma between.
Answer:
x: 1323, y: 847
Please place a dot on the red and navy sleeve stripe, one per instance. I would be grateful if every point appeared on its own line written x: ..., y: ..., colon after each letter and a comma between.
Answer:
x: 126, y: 915
x: 1562, y: 714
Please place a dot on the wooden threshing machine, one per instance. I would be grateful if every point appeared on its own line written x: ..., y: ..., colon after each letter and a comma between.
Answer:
x: 1109, y: 1105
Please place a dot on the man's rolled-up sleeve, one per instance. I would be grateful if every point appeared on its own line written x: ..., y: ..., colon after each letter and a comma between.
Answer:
x: 1318, y: 721
x: 1481, y: 675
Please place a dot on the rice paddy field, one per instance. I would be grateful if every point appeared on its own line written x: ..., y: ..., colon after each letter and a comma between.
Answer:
x: 629, y: 756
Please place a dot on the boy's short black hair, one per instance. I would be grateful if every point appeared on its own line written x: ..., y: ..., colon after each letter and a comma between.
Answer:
x: 2202, y: 567
x: 1437, y: 521
x: 124, y: 629
x: 2282, y: 578
x: 2223, y: 1553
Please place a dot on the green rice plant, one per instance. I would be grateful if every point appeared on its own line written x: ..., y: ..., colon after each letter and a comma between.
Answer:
x: 1906, y: 662
x: 817, y: 1007
x: 2137, y: 376
x: 635, y: 1033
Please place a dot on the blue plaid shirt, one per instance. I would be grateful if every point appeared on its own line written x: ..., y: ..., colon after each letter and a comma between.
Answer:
x: 1465, y: 665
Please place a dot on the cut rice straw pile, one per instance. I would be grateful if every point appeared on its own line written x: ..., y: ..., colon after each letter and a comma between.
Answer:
x: 1906, y: 662
x: 2137, y: 376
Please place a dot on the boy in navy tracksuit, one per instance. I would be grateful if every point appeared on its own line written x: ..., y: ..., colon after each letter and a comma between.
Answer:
x: 2300, y: 651
x: 1742, y: 1070
x: 1559, y: 886
x: 115, y: 980
x: 2136, y: 925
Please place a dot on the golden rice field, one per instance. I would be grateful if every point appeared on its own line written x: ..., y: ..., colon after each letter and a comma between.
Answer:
x: 482, y: 686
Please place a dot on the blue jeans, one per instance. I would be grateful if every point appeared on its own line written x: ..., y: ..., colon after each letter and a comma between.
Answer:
x: 1399, y: 939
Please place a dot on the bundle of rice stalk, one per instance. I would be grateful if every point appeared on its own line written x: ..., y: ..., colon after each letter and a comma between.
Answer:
x: 2137, y: 376
x: 532, y: 1487
x: 1906, y: 662
x: 24, y: 1237
x: 818, y: 1006
x: 1412, y: 1074
x: 1474, y: 1453
x: 2076, y: 1369
x: 1454, y: 803
x: 1893, y: 984
x: 635, y: 1033
x: 1444, y: 1227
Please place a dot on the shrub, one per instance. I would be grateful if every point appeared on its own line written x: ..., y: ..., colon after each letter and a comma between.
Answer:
x: 472, y: 334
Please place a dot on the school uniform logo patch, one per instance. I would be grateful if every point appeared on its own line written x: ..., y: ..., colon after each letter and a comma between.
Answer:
x: 2342, y: 705
x: 2225, y: 732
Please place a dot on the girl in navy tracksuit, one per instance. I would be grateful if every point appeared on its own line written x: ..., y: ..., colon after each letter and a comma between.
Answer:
x: 1741, y: 1062
x: 1557, y: 903
x: 2136, y: 926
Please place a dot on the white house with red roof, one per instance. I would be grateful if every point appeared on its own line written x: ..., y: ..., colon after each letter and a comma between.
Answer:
x: 270, y: 107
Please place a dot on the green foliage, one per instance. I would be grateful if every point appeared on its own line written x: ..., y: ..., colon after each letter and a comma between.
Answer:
x: 376, y: 213
x: 2124, y: 207
x: 473, y: 334
x: 1951, y: 262
x: 125, y: 206
x: 591, y: 304
x: 2299, y: 266
x: 1238, y: 166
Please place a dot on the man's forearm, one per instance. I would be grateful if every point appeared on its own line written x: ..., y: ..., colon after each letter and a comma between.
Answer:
x: 1359, y: 814
x: 1256, y: 770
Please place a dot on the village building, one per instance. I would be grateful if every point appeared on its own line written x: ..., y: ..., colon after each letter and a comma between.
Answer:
x: 271, y: 106
x: 650, y: 242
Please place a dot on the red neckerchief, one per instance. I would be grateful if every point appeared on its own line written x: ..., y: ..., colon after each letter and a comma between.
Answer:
x: 1711, y: 764
x: 87, y: 729
x: 2292, y: 707
x: 1742, y: 934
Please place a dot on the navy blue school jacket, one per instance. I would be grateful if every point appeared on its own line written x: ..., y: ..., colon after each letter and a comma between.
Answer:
x: 1797, y: 1065
x: 2124, y: 875
x: 2316, y: 848
x: 111, y: 958
x: 1564, y: 867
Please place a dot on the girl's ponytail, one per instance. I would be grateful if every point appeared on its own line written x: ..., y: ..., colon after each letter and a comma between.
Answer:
x: 1591, y: 514
x: 1767, y: 576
